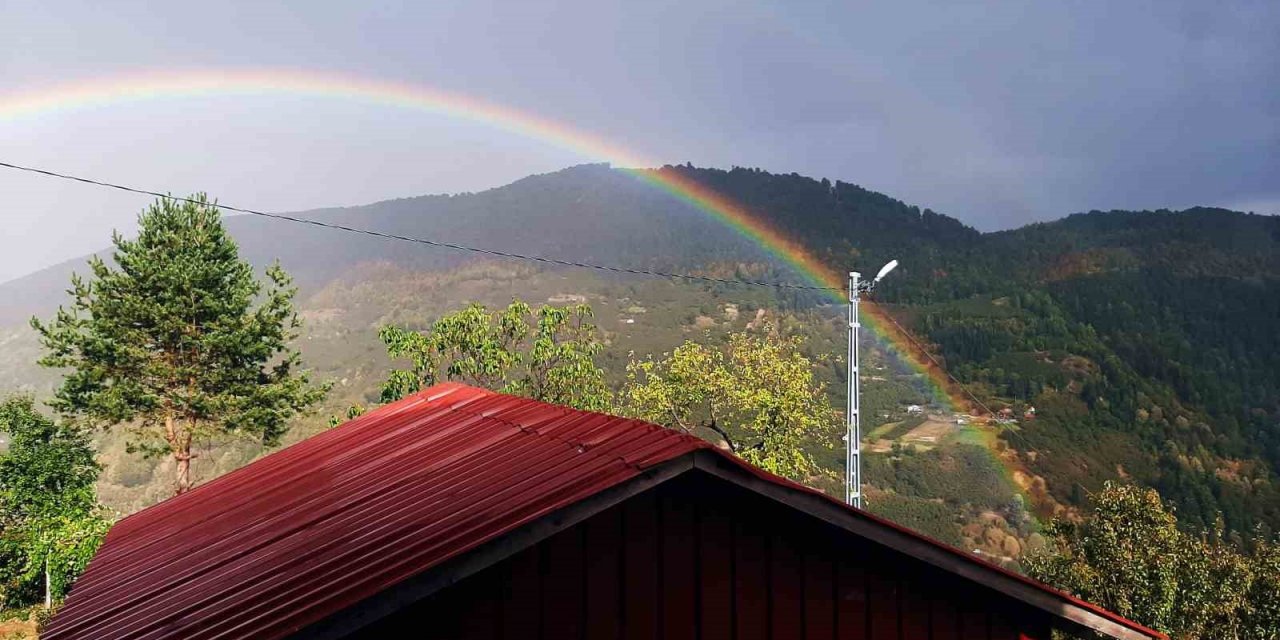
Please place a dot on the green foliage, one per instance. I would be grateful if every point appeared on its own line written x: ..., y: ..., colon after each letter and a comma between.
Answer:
x: 1261, y: 619
x: 1131, y: 557
x: 1098, y: 354
x: 178, y: 340
x: 1178, y: 308
x: 353, y: 412
x: 49, y: 468
x: 1160, y: 316
x: 57, y: 549
x: 548, y: 356
x: 1151, y: 334
x: 50, y: 521
x: 933, y: 518
x: 963, y: 474
x: 758, y: 394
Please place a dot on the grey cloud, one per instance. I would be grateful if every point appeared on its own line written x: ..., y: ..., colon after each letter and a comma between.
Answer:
x: 1000, y: 113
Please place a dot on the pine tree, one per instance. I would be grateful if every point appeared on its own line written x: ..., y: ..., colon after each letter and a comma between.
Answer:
x: 178, y: 341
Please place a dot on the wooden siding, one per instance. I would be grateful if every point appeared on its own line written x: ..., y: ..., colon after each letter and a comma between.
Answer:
x: 700, y: 559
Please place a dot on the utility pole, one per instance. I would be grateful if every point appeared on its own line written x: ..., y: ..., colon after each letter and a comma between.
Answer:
x: 853, y: 431
x: 853, y: 414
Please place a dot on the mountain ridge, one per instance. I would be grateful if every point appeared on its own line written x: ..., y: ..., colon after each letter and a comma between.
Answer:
x: 25, y: 292
x: 333, y: 213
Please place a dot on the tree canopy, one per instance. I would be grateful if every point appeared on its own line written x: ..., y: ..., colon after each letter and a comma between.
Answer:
x: 1130, y: 556
x: 548, y: 355
x: 177, y: 340
x: 757, y: 393
x: 50, y: 521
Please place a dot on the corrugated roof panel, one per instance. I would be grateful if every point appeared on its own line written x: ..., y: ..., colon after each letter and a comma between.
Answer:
x: 319, y: 526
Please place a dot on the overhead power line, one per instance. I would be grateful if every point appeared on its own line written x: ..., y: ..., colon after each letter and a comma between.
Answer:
x: 428, y: 242
x: 494, y: 252
x: 919, y: 347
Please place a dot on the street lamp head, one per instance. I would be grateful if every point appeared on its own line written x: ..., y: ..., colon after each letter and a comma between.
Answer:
x: 884, y: 271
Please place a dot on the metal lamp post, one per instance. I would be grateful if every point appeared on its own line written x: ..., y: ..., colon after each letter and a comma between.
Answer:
x: 853, y: 433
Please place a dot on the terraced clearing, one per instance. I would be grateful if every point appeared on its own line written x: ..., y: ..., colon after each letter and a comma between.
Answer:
x: 926, y: 435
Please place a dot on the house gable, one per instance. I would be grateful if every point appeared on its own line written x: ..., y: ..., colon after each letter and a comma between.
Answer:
x: 698, y: 556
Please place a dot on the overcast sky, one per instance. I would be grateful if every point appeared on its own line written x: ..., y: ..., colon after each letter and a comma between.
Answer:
x: 997, y: 113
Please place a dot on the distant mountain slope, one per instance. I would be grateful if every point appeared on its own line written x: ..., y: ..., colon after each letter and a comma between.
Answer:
x: 590, y: 212
x: 1181, y: 310
x: 586, y: 213
x: 1168, y: 322
x: 1146, y: 341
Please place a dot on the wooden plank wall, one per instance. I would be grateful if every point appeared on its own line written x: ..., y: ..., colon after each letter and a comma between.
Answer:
x: 699, y: 559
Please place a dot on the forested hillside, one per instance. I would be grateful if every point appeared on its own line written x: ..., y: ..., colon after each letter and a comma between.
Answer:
x: 1146, y: 341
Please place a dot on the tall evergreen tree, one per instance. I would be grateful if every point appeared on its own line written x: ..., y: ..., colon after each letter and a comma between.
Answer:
x: 178, y: 341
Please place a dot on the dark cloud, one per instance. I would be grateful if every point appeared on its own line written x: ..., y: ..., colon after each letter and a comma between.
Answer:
x: 999, y: 113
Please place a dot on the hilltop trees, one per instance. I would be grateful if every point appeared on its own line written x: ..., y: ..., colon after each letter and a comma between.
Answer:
x: 50, y: 521
x: 177, y: 341
x: 547, y: 355
x: 1131, y: 557
x: 757, y: 394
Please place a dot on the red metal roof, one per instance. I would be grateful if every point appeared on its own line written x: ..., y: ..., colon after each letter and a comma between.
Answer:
x: 290, y: 539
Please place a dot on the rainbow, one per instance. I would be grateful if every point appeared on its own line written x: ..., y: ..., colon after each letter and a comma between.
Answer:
x: 124, y: 89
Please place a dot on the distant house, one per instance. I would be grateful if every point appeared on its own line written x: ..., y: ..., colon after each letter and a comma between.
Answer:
x: 915, y: 410
x: 567, y: 298
x: 461, y: 513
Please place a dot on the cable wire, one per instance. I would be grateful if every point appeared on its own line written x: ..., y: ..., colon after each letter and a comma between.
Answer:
x: 424, y: 241
x: 501, y: 254
x: 937, y: 364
